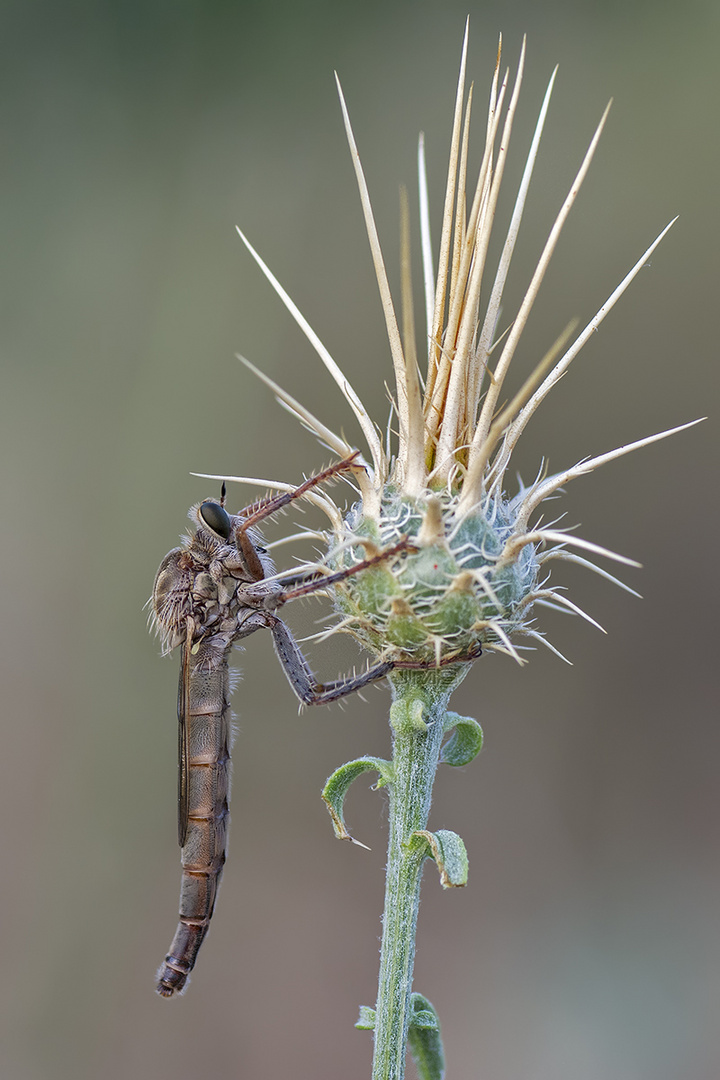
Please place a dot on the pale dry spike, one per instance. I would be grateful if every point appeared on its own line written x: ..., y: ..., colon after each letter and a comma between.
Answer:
x: 506, y: 416
x: 368, y: 428
x: 414, y: 482
x: 488, y: 646
x: 499, y: 340
x: 496, y: 475
x: 452, y: 379
x: 389, y: 428
x: 453, y: 467
x: 351, y: 540
x: 321, y: 432
x: 456, y: 402
x: 446, y: 232
x: 434, y: 405
x: 486, y: 587
x: 406, y: 289
x: 485, y: 343
x: 307, y: 569
x: 541, y: 536
x: 432, y: 529
x: 362, y: 473
x: 411, y: 450
x: 472, y: 489
x: 455, y: 414
x: 559, y: 599
x: 497, y: 629
x: 519, y: 424
x: 495, y: 107
x: 306, y: 534
x: 425, y: 240
x: 319, y: 639
x: 536, y: 636
x: 340, y: 446
x: 569, y: 556
x: 460, y: 203
x: 433, y: 416
x: 345, y: 626
x: 464, y: 308
x: 323, y: 502
x: 480, y: 197
x: 548, y: 606
x: 547, y: 487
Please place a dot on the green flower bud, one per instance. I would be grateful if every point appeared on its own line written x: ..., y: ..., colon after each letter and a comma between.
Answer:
x: 449, y: 591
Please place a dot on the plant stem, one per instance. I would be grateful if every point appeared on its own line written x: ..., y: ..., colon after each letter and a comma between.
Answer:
x: 416, y: 717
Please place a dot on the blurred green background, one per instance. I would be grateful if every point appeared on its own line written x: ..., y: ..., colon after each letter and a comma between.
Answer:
x: 133, y: 136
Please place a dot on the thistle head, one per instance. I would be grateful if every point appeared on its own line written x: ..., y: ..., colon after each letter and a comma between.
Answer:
x: 443, y: 559
x: 446, y: 590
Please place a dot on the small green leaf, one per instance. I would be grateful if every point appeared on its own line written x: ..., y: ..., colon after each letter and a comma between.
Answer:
x: 424, y: 1040
x: 448, y: 851
x: 425, y: 1019
x: 407, y: 714
x: 337, y: 785
x: 466, y: 740
x: 366, y: 1019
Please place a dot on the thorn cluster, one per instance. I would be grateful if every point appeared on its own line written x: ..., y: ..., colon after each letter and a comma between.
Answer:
x: 473, y: 574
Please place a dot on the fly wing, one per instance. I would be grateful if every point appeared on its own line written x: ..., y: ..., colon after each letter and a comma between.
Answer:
x: 183, y: 771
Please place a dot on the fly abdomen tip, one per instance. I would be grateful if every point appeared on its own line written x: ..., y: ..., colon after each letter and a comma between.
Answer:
x: 170, y: 980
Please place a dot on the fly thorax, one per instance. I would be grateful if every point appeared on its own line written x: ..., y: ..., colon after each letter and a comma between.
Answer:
x: 226, y: 590
x: 204, y: 588
x: 172, y: 600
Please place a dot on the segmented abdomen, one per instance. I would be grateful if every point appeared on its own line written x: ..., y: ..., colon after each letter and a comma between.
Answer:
x: 208, y: 732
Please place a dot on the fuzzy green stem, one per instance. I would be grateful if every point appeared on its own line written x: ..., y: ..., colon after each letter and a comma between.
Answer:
x: 416, y: 717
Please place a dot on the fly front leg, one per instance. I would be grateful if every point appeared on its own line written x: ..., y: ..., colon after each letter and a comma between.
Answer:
x: 304, y: 586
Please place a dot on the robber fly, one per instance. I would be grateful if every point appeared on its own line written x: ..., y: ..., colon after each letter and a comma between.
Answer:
x: 216, y: 589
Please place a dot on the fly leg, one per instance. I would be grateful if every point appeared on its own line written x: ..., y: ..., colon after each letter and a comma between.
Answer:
x: 315, y: 584
x: 300, y: 675
x: 301, y: 678
x: 258, y: 511
x: 296, y: 667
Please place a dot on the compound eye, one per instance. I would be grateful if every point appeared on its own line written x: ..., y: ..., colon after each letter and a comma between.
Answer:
x: 216, y: 518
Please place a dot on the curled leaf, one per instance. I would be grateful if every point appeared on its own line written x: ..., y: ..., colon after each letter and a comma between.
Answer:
x: 448, y: 851
x: 424, y: 1040
x: 337, y: 785
x: 466, y: 740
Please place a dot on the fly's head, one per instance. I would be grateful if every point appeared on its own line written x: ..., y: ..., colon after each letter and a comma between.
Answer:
x: 228, y: 545
x: 208, y: 578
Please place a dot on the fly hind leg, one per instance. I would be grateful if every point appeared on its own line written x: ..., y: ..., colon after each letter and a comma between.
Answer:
x: 300, y: 675
x: 301, y: 678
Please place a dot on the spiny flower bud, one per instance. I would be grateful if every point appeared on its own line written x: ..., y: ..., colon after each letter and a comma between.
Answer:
x: 463, y: 558
x: 444, y: 595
